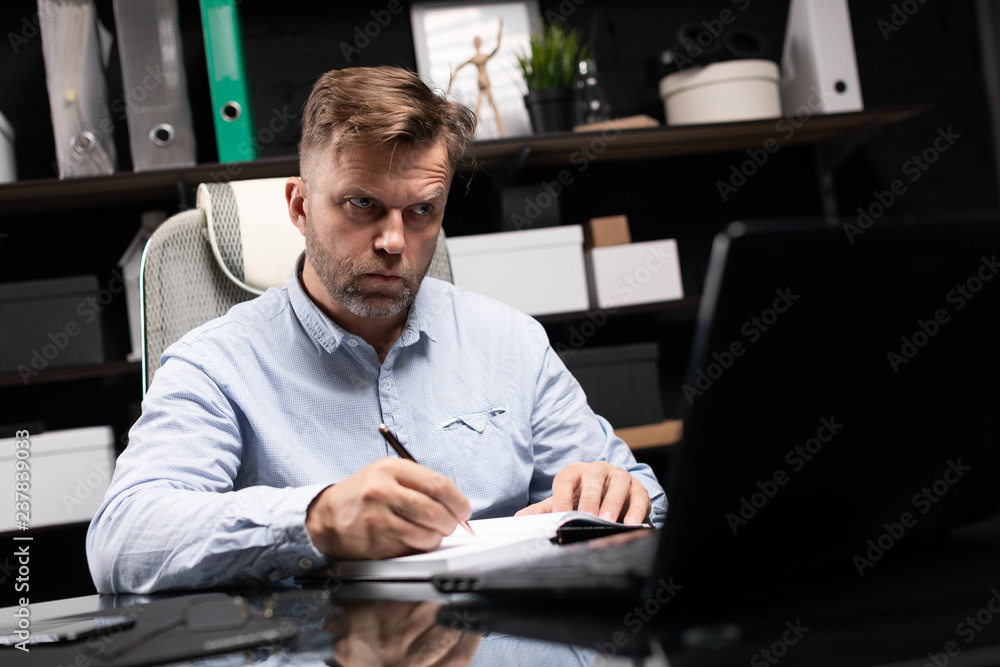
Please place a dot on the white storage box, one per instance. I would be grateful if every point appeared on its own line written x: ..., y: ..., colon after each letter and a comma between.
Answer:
x: 633, y: 273
x: 537, y: 271
x: 69, y: 473
x: 723, y: 92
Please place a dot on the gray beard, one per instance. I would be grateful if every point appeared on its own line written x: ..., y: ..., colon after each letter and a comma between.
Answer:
x: 363, y: 304
x: 343, y: 282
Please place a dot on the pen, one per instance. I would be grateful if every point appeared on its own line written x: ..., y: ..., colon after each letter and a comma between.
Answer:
x: 403, y: 454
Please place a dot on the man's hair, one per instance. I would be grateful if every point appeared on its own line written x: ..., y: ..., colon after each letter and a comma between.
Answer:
x: 380, y: 107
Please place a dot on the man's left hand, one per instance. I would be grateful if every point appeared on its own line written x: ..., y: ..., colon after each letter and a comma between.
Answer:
x: 596, y: 488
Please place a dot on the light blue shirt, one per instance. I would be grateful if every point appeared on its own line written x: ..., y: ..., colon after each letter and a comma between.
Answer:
x: 253, y: 414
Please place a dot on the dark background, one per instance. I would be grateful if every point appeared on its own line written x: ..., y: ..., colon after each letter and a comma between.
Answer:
x: 932, y: 59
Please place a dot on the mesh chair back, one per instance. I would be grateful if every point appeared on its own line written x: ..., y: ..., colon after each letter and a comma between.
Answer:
x: 182, y: 286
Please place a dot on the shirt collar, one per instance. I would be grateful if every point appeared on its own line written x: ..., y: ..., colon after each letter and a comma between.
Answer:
x: 330, y: 335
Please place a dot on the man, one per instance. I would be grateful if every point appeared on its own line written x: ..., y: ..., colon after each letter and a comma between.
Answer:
x: 257, y: 455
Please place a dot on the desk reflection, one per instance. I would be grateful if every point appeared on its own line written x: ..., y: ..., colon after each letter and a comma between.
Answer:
x: 337, y: 632
x: 369, y: 633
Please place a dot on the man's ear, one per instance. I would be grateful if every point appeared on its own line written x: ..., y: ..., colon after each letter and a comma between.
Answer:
x: 295, y: 196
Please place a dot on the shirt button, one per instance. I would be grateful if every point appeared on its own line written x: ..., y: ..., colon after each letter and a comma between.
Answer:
x: 305, y: 563
x: 480, y: 426
x: 388, y: 384
x: 353, y: 342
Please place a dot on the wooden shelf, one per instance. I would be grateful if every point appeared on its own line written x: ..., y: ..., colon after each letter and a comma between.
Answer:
x: 568, y: 148
x: 644, y: 143
x: 52, y: 194
x: 667, y: 432
x: 74, y: 373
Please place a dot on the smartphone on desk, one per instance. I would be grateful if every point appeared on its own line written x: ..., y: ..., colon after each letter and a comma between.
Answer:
x: 64, y: 629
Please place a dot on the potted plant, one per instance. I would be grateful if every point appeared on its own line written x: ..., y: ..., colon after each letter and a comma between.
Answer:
x: 550, y: 69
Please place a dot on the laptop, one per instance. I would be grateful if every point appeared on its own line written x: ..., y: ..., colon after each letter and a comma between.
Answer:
x: 840, y: 421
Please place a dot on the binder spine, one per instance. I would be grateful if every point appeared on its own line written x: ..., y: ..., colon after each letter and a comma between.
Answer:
x: 161, y: 132
x: 232, y: 110
x: 74, y: 74
x: 818, y: 65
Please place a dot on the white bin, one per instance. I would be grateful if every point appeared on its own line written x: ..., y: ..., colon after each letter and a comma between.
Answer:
x: 537, y: 271
x: 69, y: 472
x: 723, y: 92
x: 634, y: 273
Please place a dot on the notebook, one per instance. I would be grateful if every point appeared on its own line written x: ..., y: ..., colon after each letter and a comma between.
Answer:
x: 839, y: 416
x: 505, y: 541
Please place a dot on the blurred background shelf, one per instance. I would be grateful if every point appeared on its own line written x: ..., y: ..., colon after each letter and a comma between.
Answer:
x: 69, y: 373
x: 665, y: 141
x: 52, y: 194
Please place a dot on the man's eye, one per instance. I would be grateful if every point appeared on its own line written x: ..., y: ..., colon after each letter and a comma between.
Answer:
x: 362, y: 202
x: 422, y: 209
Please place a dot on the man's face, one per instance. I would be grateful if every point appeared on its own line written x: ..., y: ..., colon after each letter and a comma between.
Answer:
x: 371, y: 225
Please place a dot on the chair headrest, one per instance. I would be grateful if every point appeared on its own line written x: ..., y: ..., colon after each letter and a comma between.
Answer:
x: 252, y: 238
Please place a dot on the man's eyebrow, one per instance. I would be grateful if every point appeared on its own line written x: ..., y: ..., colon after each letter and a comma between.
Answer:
x: 362, y: 191
x: 359, y: 190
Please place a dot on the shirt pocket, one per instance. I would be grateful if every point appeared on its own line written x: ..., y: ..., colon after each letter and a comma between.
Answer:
x: 478, y: 420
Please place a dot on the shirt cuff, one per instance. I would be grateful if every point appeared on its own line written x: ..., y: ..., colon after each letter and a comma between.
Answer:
x: 296, y: 554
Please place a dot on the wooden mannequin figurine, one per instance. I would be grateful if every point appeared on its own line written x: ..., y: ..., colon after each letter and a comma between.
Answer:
x: 479, y: 60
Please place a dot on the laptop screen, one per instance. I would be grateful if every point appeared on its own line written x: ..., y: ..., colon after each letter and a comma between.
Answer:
x: 841, y: 403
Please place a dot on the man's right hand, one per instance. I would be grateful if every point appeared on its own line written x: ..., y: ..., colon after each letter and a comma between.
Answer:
x: 389, y: 508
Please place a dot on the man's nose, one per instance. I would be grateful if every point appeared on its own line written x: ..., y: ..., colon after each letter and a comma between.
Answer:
x: 391, y: 237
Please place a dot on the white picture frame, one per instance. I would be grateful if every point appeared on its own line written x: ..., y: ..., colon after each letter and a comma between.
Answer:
x: 443, y: 38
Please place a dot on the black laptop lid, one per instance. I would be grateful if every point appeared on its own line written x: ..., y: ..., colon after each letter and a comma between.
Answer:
x: 841, y: 402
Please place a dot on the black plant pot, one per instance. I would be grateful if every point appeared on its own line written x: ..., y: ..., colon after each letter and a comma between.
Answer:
x: 550, y: 109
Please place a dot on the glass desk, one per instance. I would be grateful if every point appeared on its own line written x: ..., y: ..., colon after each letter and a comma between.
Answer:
x: 940, y: 612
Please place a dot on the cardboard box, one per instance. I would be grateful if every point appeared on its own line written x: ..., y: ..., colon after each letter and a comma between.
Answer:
x: 50, y: 323
x: 622, y: 382
x: 634, y: 273
x: 537, y: 271
x: 610, y: 230
x: 69, y: 473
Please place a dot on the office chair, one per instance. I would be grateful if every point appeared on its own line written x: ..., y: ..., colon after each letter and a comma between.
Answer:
x: 236, y: 244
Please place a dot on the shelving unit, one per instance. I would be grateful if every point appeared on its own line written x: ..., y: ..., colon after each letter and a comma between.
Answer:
x: 833, y: 136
